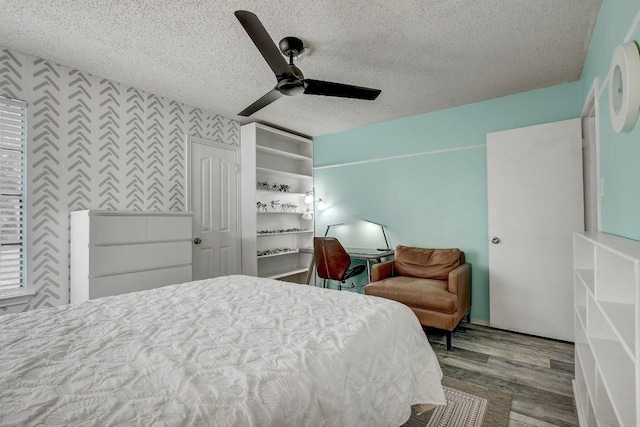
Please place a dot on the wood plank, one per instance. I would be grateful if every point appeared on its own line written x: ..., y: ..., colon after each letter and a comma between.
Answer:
x: 519, y: 420
x: 563, y: 366
x: 537, y: 372
x: 481, y: 345
x: 560, y: 350
x: 508, y: 372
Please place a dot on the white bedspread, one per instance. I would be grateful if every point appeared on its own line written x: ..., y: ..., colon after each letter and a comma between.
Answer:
x: 231, y: 351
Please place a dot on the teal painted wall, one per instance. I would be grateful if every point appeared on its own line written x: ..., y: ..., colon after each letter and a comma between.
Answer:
x: 619, y: 153
x: 435, y: 196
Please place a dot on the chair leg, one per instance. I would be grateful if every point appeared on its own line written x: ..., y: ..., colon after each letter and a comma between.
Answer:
x: 324, y: 283
x: 449, y: 333
x: 469, y: 317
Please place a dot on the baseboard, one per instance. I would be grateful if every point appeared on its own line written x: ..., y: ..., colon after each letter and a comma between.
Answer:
x: 480, y: 322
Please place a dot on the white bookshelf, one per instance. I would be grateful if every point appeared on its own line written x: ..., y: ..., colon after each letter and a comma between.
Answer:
x: 607, y: 322
x: 278, y: 158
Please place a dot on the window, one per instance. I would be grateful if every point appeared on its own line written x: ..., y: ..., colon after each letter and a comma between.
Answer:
x: 13, y: 117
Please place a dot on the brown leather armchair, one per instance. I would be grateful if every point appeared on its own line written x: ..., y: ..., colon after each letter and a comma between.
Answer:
x: 434, y: 283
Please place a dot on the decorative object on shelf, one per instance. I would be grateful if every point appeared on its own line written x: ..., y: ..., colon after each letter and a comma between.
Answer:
x: 274, y: 203
x: 275, y: 251
x: 262, y: 207
x: 624, y: 87
x: 286, y: 230
x: 275, y: 187
x: 288, y: 207
x: 308, y: 214
x: 383, y: 233
x: 263, y: 185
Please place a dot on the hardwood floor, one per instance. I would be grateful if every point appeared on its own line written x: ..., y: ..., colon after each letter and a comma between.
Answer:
x: 536, y: 372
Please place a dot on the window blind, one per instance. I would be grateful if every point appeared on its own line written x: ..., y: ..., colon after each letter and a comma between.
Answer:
x: 13, y: 118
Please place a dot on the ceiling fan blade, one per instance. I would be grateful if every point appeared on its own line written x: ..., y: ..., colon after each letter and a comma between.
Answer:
x: 264, y: 43
x: 267, y: 99
x: 319, y: 87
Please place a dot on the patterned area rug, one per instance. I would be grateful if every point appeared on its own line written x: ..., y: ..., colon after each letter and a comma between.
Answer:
x: 468, y: 405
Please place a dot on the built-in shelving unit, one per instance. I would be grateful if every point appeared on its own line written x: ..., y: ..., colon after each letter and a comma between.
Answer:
x: 283, y: 163
x: 607, y: 321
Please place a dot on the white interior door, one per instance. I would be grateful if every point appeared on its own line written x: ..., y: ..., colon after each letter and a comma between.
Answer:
x: 214, y: 202
x: 535, y: 201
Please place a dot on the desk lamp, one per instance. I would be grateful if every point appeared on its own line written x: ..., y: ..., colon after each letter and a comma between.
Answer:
x: 332, y: 225
x: 383, y: 233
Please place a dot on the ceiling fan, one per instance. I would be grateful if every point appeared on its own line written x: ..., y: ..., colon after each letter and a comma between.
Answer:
x: 290, y: 79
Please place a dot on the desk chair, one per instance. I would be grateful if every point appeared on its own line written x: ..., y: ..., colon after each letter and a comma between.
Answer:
x: 332, y: 261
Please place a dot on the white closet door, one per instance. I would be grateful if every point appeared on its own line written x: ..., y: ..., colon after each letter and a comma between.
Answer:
x: 214, y: 177
x: 535, y: 201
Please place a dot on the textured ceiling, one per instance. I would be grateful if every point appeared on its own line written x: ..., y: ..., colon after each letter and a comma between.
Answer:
x: 424, y: 55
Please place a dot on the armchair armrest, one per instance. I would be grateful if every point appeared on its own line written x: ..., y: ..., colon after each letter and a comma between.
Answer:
x: 460, y: 284
x: 381, y: 270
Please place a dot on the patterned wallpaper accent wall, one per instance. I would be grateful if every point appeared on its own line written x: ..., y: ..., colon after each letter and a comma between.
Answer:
x: 95, y: 144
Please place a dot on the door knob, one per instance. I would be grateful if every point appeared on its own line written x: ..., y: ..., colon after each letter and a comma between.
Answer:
x: 495, y: 240
x: 197, y: 241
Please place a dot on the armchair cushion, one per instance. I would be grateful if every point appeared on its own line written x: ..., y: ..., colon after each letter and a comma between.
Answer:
x: 415, y: 292
x: 426, y: 263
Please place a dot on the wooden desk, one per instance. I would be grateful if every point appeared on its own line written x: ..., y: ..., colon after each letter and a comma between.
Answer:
x: 358, y: 253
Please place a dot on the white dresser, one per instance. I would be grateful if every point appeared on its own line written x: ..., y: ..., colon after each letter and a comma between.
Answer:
x: 114, y: 252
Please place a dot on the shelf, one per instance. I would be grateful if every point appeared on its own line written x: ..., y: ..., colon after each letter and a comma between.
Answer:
x: 283, y: 173
x: 286, y: 193
x: 620, y: 246
x: 587, y: 367
x: 618, y: 274
x: 603, y: 408
x: 288, y: 273
x: 281, y: 153
x: 580, y: 392
x: 278, y: 254
x: 266, y: 130
x: 622, y: 317
x: 284, y: 232
x: 280, y: 213
x: 615, y: 366
x: 581, y: 310
x: 587, y: 276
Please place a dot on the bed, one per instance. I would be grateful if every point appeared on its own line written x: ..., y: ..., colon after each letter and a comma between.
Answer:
x: 234, y: 350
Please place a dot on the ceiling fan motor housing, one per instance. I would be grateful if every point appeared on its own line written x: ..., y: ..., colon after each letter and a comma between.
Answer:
x: 291, y: 46
x: 290, y: 86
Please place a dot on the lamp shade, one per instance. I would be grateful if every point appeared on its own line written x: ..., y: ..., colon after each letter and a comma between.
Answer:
x: 308, y: 199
